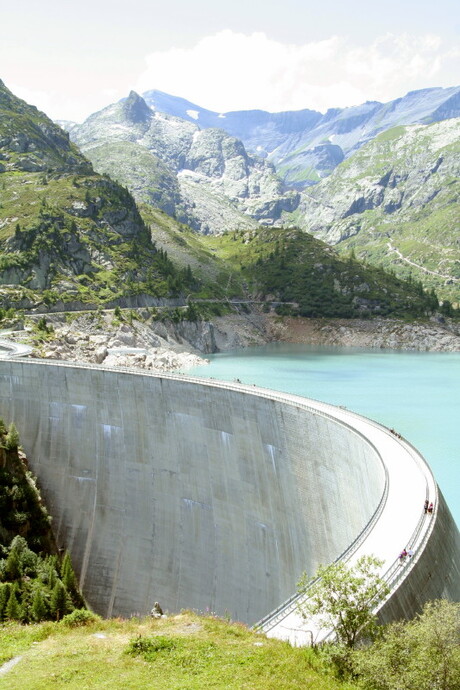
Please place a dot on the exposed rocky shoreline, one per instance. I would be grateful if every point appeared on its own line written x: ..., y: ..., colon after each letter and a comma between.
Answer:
x: 103, y: 338
x: 432, y: 335
x: 135, y: 339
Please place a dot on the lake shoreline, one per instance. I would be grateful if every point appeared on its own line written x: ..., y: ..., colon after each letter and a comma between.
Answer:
x: 163, y: 346
x: 245, y: 330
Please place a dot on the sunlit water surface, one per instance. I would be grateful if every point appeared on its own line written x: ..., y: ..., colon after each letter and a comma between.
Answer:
x: 417, y: 393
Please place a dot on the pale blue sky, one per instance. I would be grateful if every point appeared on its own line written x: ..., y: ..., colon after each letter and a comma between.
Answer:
x: 72, y: 58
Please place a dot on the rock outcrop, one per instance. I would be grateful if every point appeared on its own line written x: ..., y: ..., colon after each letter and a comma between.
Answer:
x: 433, y: 335
x: 101, y: 338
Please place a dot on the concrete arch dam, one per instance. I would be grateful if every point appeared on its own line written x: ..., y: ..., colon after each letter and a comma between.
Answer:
x: 205, y: 495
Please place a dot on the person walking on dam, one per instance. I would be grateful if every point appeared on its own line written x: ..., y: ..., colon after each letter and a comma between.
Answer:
x: 402, y: 556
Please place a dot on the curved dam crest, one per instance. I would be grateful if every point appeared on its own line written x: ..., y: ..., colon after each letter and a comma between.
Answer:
x: 194, y: 493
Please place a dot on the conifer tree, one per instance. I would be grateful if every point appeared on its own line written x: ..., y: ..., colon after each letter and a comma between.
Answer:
x: 12, y: 569
x: 70, y: 581
x: 39, y: 608
x: 52, y: 575
x: 60, y: 603
x: 4, y: 596
x: 13, y: 609
x: 12, y: 437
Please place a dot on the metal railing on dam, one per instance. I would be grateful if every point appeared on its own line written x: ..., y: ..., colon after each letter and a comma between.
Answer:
x: 200, y: 493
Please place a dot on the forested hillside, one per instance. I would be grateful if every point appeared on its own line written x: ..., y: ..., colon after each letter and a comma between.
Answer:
x: 37, y: 581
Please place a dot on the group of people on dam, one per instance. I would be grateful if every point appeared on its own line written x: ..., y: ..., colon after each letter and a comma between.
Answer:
x: 405, y: 553
x: 428, y: 509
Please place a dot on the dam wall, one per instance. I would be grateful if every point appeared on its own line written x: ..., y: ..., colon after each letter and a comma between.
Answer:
x: 196, y: 494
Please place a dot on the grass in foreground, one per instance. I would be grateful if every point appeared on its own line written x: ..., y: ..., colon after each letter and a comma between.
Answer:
x: 186, y: 651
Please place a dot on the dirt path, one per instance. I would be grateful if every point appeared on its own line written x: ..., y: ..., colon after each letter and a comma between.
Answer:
x: 9, y: 665
x: 421, y: 268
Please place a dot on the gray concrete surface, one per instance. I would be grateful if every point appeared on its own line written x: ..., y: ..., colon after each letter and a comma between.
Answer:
x: 199, y: 494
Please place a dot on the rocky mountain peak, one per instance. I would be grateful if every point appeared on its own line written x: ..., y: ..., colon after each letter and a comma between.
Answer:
x: 202, y: 175
x: 136, y: 109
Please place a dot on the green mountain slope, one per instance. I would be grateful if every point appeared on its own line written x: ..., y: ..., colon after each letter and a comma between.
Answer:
x: 66, y: 232
x: 216, y: 277
x: 396, y: 203
x: 291, y: 266
x: 31, y: 142
x: 288, y: 266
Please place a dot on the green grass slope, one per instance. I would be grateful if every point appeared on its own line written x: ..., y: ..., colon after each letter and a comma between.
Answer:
x: 182, y: 652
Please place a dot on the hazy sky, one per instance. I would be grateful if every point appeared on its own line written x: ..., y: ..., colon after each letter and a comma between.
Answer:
x: 73, y: 58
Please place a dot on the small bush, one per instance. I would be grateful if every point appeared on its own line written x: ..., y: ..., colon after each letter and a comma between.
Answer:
x: 11, y: 440
x: 79, y: 617
x: 148, y: 647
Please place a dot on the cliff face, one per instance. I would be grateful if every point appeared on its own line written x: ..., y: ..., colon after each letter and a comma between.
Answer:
x: 402, y: 171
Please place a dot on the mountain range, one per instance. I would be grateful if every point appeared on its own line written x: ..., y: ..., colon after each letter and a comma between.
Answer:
x: 306, y: 145
x: 205, y: 178
x: 68, y: 233
x: 383, y: 174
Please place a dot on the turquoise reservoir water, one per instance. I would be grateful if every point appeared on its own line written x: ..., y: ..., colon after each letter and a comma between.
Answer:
x: 416, y: 393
